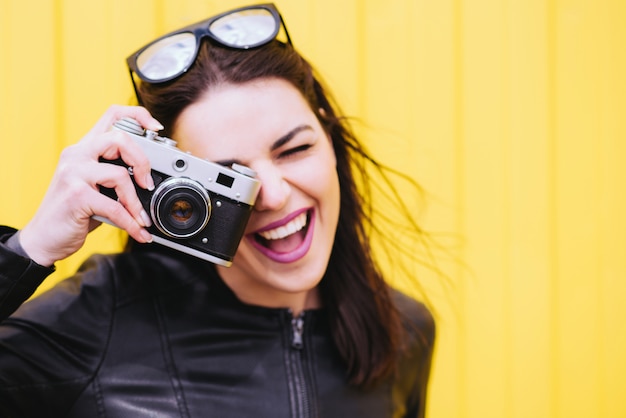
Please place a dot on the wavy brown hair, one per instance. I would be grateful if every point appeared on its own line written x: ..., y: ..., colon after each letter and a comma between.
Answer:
x: 366, y: 326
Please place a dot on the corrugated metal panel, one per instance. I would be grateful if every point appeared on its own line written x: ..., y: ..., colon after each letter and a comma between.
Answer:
x: 510, y: 114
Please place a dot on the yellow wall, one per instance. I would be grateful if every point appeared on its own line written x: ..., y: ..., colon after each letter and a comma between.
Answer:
x: 510, y: 113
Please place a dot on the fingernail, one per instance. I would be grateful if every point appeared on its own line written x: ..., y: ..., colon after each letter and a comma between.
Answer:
x: 158, y: 126
x: 149, y: 182
x: 145, y: 218
x: 145, y: 235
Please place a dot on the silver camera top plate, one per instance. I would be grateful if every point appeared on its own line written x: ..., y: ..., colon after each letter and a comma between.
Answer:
x: 237, y: 183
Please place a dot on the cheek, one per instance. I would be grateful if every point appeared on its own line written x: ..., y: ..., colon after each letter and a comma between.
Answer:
x: 322, y: 169
x: 327, y: 190
x: 319, y: 180
x: 325, y: 181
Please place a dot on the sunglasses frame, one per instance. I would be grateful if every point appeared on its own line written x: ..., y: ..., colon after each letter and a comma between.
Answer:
x: 200, y: 30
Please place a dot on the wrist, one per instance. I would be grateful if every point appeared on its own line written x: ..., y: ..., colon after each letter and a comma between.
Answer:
x: 21, y: 244
x: 13, y: 243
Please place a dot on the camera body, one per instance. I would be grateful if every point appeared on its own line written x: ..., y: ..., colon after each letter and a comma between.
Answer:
x: 197, y: 207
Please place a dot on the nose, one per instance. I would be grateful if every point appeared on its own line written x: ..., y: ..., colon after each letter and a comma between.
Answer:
x: 275, y: 189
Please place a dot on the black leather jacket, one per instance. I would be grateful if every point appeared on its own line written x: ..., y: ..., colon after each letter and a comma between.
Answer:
x: 157, y: 334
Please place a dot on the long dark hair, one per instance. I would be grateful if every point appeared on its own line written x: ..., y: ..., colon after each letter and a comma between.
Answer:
x: 366, y: 326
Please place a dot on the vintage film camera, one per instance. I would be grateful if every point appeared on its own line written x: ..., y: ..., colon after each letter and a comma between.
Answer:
x: 197, y: 207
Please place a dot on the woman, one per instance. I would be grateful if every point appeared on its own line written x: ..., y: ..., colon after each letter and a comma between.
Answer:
x: 301, y: 325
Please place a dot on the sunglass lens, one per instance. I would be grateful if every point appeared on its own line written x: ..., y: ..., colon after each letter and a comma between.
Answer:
x: 167, y: 57
x: 245, y: 29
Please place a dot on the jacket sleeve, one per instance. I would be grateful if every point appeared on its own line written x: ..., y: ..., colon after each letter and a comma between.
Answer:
x: 19, y: 275
x: 51, y: 346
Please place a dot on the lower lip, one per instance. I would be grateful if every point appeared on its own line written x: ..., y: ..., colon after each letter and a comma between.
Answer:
x: 291, y: 256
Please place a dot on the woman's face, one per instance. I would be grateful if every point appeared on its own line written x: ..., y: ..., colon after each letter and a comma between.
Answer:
x: 268, y: 126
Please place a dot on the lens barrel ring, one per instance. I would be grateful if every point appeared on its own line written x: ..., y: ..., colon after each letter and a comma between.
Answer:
x: 180, y: 207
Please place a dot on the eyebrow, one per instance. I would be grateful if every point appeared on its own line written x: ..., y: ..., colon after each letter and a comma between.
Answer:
x: 289, y: 136
x: 276, y: 145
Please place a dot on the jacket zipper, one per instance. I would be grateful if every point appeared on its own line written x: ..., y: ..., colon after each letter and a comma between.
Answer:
x: 297, y: 327
x: 298, y: 388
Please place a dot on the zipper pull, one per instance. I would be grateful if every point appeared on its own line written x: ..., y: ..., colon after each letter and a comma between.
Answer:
x: 297, y: 326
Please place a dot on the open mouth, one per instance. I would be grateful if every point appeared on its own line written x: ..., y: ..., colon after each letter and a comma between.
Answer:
x: 287, y: 242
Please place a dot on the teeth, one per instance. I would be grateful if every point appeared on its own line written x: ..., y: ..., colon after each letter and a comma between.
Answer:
x: 283, y: 231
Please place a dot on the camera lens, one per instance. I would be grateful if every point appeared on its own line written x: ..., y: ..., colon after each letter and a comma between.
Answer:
x: 180, y: 207
x: 181, y: 211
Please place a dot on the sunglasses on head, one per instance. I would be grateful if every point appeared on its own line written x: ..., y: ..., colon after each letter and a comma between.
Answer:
x: 171, y: 55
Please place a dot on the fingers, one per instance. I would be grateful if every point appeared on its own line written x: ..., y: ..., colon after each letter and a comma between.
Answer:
x: 75, y: 189
x: 118, y: 144
x: 110, y: 144
x: 117, y: 112
x: 65, y: 216
x: 116, y: 177
x: 118, y: 214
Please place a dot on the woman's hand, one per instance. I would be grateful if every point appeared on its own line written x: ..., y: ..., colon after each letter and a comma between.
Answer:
x: 64, y: 218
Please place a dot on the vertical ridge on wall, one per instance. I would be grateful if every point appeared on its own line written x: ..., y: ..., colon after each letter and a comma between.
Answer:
x: 506, y: 137
x: 529, y: 193
x: 577, y: 225
x: 60, y: 116
x: 6, y: 75
x: 462, y: 380
x: 361, y: 58
x: 552, y: 103
x: 614, y: 208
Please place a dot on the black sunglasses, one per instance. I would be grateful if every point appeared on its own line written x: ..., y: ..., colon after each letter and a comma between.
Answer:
x: 171, y: 55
